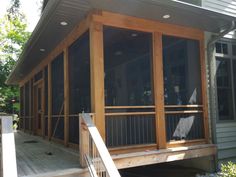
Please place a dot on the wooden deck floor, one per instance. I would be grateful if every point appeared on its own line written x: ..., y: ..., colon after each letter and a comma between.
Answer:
x: 33, y: 160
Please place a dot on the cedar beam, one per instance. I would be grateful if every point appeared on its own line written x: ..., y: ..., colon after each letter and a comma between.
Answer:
x: 97, y: 75
x: 159, y: 91
x: 66, y: 97
x: 49, y: 101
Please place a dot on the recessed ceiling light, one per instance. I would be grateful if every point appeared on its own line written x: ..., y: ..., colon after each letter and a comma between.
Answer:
x: 63, y: 23
x: 134, y: 34
x: 118, y: 53
x: 42, y: 50
x: 166, y: 16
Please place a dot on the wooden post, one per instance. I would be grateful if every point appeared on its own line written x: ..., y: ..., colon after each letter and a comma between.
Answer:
x: 204, y: 89
x: 83, y: 141
x: 24, y: 107
x: 159, y: 90
x: 9, y: 167
x: 97, y: 75
x: 49, y: 101
x: 66, y: 97
x: 30, y: 105
x: 43, y: 105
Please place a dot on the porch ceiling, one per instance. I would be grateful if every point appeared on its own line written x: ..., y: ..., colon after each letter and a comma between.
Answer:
x: 48, y: 32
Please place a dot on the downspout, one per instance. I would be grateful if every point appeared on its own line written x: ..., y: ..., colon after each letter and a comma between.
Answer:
x: 213, y: 102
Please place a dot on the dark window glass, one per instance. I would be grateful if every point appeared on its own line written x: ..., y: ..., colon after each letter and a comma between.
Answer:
x: 182, y: 78
x: 224, y: 91
x: 58, y: 85
x: 224, y: 48
x: 218, y: 47
x: 79, y: 73
x: 221, y: 48
x: 127, y: 57
x: 234, y: 50
x: 234, y: 76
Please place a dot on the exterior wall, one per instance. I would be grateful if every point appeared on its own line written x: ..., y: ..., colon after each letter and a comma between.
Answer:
x: 225, y: 131
x: 226, y: 140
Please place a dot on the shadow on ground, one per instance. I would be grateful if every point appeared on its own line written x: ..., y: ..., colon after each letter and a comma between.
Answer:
x: 160, y: 170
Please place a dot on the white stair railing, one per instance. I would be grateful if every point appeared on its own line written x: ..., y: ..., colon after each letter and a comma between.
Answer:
x: 9, y: 168
x: 94, y: 153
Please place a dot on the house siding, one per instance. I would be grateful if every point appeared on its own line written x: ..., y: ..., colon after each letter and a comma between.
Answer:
x: 226, y: 141
x: 225, y: 131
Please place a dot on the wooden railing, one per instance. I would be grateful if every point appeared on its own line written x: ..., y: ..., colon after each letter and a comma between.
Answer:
x: 8, y: 153
x: 93, y: 150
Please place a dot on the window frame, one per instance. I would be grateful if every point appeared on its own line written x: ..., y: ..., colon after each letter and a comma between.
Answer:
x: 231, y: 58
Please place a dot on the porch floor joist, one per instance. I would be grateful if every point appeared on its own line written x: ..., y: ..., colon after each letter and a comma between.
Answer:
x: 164, y: 155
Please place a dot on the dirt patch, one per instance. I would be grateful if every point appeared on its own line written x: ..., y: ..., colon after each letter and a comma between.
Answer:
x: 161, y: 170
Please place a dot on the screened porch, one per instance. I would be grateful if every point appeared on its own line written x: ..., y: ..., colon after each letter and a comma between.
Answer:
x: 143, y: 80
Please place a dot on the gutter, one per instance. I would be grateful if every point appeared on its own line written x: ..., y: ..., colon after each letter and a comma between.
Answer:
x: 212, y: 91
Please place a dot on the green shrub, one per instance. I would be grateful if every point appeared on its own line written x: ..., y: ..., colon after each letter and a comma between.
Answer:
x: 228, y: 170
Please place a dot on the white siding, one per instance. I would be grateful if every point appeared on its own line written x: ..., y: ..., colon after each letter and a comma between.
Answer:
x: 222, y: 6
x: 226, y: 141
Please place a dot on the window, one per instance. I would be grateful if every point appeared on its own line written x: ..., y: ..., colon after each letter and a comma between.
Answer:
x: 224, y: 89
x: 221, y: 48
x: 234, y: 49
x: 226, y: 79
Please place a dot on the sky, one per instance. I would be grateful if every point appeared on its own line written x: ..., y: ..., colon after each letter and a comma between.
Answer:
x: 31, y: 8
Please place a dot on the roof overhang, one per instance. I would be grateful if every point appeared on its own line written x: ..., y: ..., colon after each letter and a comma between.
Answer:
x: 48, y: 32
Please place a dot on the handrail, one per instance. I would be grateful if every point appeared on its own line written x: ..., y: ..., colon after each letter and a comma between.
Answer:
x: 93, y: 150
x: 9, y: 168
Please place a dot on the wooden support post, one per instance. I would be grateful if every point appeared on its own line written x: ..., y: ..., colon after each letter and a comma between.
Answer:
x: 97, y: 75
x: 159, y: 90
x: 66, y: 97
x: 49, y: 101
x: 43, y: 105
x: 83, y: 141
x: 204, y: 89
x: 30, y: 105
x: 24, y: 107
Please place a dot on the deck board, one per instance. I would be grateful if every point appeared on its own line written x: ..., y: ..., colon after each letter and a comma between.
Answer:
x: 32, y: 158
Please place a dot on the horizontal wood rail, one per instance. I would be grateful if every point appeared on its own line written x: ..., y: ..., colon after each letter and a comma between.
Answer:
x: 129, y: 113
x: 129, y: 107
x: 183, y: 106
x: 184, y: 112
x: 93, y: 150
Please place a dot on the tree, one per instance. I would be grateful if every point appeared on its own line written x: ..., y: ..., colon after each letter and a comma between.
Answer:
x: 13, y: 36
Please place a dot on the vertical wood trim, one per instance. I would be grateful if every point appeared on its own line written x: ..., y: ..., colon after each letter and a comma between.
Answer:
x: 30, y: 106
x: 66, y: 97
x: 24, y: 107
x: 159, y: 90
x: 97, y: 75
x: 43, y: 104
x: 204, y: 89
x: 21, y: 111
x: 49, y: 101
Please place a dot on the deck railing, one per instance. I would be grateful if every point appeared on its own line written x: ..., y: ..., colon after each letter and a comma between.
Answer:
x: 8, y: 151
x: 94, y: 152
